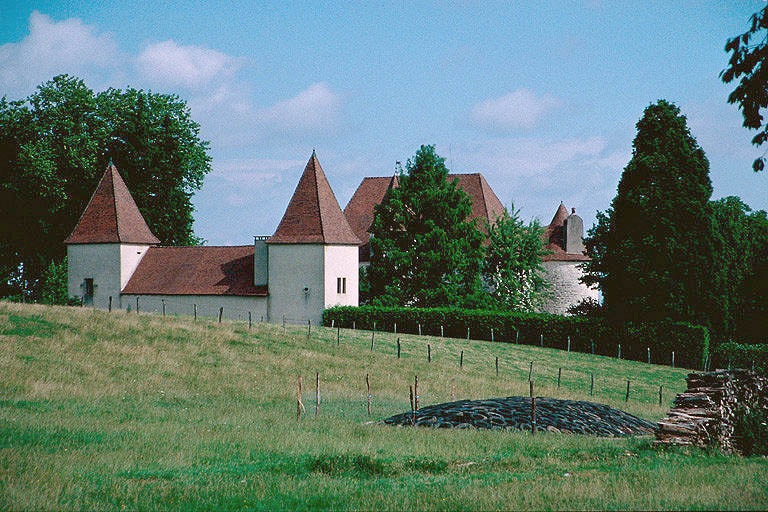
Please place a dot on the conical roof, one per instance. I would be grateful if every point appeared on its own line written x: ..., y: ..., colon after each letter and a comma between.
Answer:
x: 111, y: 215
x: 313, y: 215
x: 560, y: 215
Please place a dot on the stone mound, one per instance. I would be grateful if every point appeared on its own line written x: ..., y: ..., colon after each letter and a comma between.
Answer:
x: 514, y: 413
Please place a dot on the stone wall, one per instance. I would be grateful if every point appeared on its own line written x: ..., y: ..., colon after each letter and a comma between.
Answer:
x: 706, y: 413
x: 564, y: 290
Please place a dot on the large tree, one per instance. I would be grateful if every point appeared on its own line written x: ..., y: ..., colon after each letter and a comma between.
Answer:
x: 749, y: 65
x: 652, y: 250
x: 425, y: 252
x: 512, y: 268
x: 54, y: 147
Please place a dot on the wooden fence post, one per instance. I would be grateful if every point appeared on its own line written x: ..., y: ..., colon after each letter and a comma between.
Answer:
x: 461, y: 360
x: 533, y: 410
x: 195, y: 311
x: 137, y: 304
x: 569, y: 343
x: 517, y: 337
x: 419, y: 329
x: 221, y: 313
x: 368, y: 385
x: 416, y: 392
x: 163, y: 301
x: 619, y: 356
x: 530, y: 371
x: 338, y: 335
x: 541, y: 340
x: 593, y: 347
x: 398, y: 347
x: 429, y: 353
x: 110, y: 304
x: 441, y: 331
x: 354, y: 325
x: 413, y: 411
x: 373, y: 333
x: 309, y: 327
x: 592, y: 385
x: 395, y: 327
x: 648, y: 349
x: 497, y: 366
x: 661, y: 393
x: 673, y: 360
x: 333, y: 323
x: 317, y: 394
x: 626, y: 398
x: 299, y: 405
x: 491, y: 333
x: 559, y: 373
x: 249, y: 320
x: 453, y: 390
x: 467, y: 332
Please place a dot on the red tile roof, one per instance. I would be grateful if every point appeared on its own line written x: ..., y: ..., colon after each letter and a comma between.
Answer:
x: 111, y: 215
x: 313, y: 215
x: 554, y: 239
x: 195, y: 271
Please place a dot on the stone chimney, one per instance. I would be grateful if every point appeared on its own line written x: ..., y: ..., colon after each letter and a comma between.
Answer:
x: 574, y: 233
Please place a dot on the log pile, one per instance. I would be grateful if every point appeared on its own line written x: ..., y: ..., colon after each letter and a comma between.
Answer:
x: 705, y: 413
x: 514, y: 413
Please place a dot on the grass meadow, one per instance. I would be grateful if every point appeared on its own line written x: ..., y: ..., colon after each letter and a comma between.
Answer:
x: 119, y: 411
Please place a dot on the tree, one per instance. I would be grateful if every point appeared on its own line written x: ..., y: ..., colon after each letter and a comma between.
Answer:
x: 749, y: 64
x: 425, y: 253
x: 512, y: 264
x: 54, y: 147
x: 652, y: 250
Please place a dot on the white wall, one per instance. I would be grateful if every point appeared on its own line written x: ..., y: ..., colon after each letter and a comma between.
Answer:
x: 235, y: 307
x: 100, y: 262
x: 130, y: 256
x: 342, y: 261
x: 293, y: 267
x: 564, y: 290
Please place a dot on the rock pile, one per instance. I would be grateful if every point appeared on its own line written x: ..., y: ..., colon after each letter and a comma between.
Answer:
x: 514, y: 413
x: 705, y: 414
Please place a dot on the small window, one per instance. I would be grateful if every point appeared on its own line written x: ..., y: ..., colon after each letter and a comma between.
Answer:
x: 341, y: 285
x: 89, y: 287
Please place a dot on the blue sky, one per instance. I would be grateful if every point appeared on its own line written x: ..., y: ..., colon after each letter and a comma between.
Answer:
x: 541, y: 97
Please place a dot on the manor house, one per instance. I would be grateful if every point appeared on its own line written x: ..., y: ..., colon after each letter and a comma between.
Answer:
x: 310, y: 263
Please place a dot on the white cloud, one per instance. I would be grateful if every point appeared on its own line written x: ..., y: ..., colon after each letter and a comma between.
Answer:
x: 315, y: 109
x: 53, y: 48
x: 245, y: 171
x: 519, y: 109
x: 172, y: 65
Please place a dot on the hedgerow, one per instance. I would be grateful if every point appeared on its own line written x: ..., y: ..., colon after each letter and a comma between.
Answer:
x: 737, y: 355
x: 690, y: 343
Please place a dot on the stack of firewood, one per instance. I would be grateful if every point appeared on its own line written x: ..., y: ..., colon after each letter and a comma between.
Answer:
x: 706, y: 413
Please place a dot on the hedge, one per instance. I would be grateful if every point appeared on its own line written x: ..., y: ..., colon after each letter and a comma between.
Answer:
x: 737, y: 355
x: 689, y: 342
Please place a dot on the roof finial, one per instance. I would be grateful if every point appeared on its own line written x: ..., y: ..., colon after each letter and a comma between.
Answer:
x: 313, y: 152
x: 111, y: 164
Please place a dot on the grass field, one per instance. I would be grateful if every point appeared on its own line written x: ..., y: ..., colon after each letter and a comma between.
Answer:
x: 121, y: 411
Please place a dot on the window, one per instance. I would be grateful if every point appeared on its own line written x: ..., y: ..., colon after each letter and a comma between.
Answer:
x: 89, y: 287
x: 341, y: 285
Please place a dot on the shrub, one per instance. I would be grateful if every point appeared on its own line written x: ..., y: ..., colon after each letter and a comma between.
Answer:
x: 738, y: 355
x: 751, y: 431
x: 590, y: 335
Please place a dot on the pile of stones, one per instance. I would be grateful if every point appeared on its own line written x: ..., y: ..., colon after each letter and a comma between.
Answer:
x: 705, y: 413
x: 514, y: 413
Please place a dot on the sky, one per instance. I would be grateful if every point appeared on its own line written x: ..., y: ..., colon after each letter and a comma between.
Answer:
x: 540, y: 97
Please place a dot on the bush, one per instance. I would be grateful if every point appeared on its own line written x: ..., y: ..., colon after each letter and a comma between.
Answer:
x: 590, y: 335
x: 751, y: 431
x: 741, y: 356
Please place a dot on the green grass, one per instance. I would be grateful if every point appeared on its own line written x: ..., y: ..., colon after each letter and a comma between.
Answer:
x: 134, y: 412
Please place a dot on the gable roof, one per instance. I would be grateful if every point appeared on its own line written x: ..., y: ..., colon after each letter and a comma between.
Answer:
x: 313, y: 215
x: 111, y: 215
x: 359, y: 211
x: 553, y: 239
x: 195, y: 271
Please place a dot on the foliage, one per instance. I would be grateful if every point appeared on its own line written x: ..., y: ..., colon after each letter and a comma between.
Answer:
x: 652, y: 250
x: 53, y: 289
x: 587, y: 307
x: 749, y: 65
x: 512, y: 263
x: 54, y: 147
x: 424, y: 250
x: 751, y: 431
x: 588, y: 335
x: 738, y: 355
x: 741, y: 243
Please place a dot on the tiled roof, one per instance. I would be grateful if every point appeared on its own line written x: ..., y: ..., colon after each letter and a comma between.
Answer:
x: 111, y: 215
x: 313, y: 215
x: 195, y: 271
x: 359, y: 211
x: 554, y: 239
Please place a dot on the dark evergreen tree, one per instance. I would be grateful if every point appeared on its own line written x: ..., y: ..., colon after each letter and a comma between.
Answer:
x: 425, y: 253
x: 653, y: 249
x: 54, y: 147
